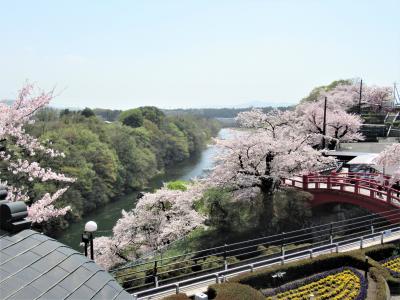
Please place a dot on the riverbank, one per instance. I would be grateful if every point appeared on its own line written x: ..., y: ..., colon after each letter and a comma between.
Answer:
x: 107, y: 215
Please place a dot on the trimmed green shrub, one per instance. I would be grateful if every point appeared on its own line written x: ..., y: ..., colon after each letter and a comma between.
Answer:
x: 129, y: 280
x: 381, y: 285
x: 233, y: 291
x: 381, y: 252
x: 176, y: 269
x: 179, y: 296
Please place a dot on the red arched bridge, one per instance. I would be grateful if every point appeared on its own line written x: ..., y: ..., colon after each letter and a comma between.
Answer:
x: 369, y: 191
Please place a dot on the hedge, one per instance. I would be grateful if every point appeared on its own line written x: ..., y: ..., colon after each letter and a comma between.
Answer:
x: 382, y: 292
x: 179, y: 296
x: 233, y: 291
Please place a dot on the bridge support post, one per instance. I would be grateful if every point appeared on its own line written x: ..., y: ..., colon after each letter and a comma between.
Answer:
x: 356, y: 187
x: 134, y: 296
x: 361, y: 242
x: 382, y: 237
x: 337, y: 247
x: 389, y: 196
x: 311, y: 253
x: 177, y: 288
x: 251, y: 268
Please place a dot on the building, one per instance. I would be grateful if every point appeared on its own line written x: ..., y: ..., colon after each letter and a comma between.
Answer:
x: 35, y: 266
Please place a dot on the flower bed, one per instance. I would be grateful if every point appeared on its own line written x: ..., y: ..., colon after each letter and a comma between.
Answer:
x: 393, y: 265
x: 340, y: 284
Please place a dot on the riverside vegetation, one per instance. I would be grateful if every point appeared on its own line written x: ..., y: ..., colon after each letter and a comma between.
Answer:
x: 111, y: 159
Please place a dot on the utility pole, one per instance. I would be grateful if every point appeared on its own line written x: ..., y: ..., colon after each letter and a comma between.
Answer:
x: 359, y: 102
x: 324, y: 124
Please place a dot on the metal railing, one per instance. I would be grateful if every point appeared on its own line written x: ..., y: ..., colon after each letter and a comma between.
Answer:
x: 159, y: 274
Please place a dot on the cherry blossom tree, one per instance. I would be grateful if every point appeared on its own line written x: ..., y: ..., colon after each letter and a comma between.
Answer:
x: 254, y: 161
x: 18, y: 151
x: 390, y: 158
x: 340, y: 125
x: 347, y: 97
x: 158, y: 219
x: 378, y: 98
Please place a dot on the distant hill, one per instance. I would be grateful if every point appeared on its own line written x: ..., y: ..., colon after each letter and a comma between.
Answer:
x: 220, y: 112
x: 7, y: 101
x: 261, y: 104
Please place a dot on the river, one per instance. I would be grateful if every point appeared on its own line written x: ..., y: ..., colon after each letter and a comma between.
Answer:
x: 106, y: 216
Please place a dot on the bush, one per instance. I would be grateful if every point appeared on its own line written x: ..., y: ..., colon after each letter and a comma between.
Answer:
x: 233, y: 291
x: 177, y: 185
x: 381, y: 285
x: 128, y: 280
x: 381, y: 252
x: 179, y: 296
x: 175, y: 269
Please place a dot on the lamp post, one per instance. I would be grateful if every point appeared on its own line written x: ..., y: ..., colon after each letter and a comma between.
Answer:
x: 87, y: 237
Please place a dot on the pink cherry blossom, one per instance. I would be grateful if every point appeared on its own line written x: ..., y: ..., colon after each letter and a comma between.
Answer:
x: 158, y: 219
x: 390, y: 157
x: 12, y: 120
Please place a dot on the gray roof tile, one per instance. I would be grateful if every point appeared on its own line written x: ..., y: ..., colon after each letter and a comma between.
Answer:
x: 11, y: 266
x: 55, y: 293
x: 4, y: 257
x: 98, y: 280
x: 66, y: 250
x: 11, y: 285
x: 28, y: 274
x: 73, y: 262
x: 75, y: 279
x: 107, y: 292
x: 35, y: 265
x: 28, y: 292
x: 40, y: 237
x: 46, y: 247
x: 48, y: 262
x: 82, y: 293
x: 3, y: 273
x: 19, y: 247
x: 46, y: 281
x: 5, y: 243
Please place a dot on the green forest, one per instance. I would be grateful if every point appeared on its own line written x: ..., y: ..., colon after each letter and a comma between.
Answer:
x: 109, y: 159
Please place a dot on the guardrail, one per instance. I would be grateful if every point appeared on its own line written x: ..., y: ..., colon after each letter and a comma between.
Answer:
x: 162, y: 273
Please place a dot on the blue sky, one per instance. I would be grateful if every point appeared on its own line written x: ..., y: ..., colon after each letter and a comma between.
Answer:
x: 204, y: 53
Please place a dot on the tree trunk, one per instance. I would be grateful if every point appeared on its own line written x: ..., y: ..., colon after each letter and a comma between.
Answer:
x: 268, y: 187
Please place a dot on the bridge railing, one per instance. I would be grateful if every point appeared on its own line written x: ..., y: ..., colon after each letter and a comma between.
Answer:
x: 158, y: 272
x: 364, y: 184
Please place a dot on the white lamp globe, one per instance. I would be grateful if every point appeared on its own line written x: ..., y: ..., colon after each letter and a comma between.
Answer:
x: 91, y: 226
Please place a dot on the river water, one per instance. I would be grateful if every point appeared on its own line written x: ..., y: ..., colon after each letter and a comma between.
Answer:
x: 106, y: 216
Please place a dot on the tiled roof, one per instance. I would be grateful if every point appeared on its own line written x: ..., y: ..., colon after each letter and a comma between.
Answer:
x: 34, y: 266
